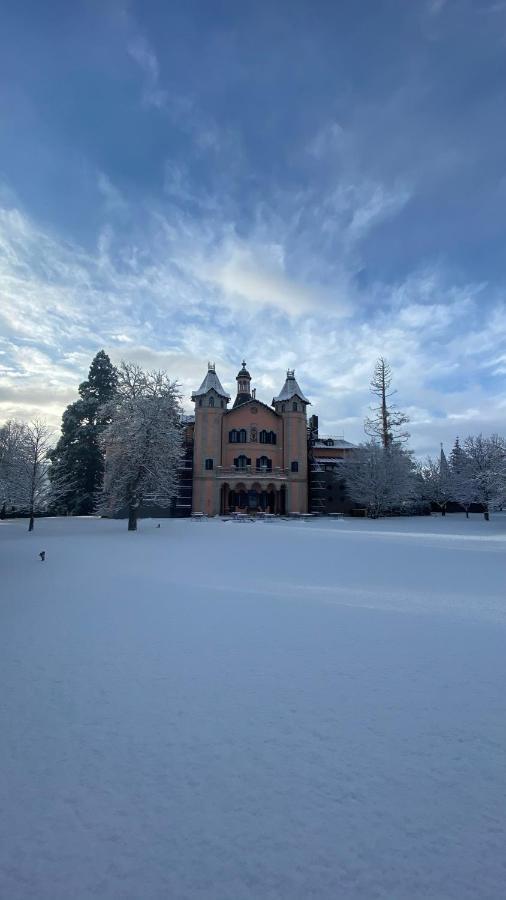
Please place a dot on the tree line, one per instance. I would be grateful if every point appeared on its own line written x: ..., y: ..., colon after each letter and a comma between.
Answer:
x: 120, y: 445
x: 383, y: 476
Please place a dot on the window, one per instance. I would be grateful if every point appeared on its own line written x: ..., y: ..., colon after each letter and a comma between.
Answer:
x: 200, y: 402
x: 264, y: 463
x: 222, y: 404
x: 267, y: 437
x: 240, y: 462
x: 295, y: 406
x: 273, y: 437
x: 233, y: 436
x: 211, y: 401
x: 295, y: 466
x: 283, y: 407
x: 209, y: 464
x: 243, y: 437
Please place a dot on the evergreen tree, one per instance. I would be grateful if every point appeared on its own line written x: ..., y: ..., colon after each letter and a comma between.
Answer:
x: 78, y: 455
x: 462, y: 477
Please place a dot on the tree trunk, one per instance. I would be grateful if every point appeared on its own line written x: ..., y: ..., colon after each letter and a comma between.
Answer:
x: 486, y: 515
x: 443, y: 510
x: 467, y: 513
x: 132, y: 517
x: 31, y: 523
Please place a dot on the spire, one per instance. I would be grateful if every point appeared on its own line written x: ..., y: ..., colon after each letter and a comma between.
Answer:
x: 211, y: 383
x: 243, y: 386
x: 443, y: 462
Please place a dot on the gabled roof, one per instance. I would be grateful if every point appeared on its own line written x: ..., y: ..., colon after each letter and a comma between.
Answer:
x: 256, y: 402
x: 290, y: 389
x: 211, y: 383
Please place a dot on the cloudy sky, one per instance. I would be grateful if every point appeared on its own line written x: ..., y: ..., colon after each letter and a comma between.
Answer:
x: 301, y: 184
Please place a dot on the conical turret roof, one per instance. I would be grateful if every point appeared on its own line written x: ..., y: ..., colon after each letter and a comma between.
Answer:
x: 290, y: 389
x: 211, y: 383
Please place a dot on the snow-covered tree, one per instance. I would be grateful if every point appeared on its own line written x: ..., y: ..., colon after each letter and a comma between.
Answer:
x: 387, y: 420
x: 463, y: 487
x: 437, y: 482
x: 11, y: 435
x: 30, y: 489
x: 487, y: 462
x: 382, y: 479
x: 78, y: 455
x: 142, y: 442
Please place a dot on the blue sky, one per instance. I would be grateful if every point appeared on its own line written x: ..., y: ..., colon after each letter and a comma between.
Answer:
x: 299, y: 184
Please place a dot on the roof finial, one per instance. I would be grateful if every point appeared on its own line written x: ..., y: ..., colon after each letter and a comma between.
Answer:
x: 244, y: 363
x: 211, y: 367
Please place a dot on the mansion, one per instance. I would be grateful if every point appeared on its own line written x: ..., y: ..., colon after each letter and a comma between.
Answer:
x: 252, y: 457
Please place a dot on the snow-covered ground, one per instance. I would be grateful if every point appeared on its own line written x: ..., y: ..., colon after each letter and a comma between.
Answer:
x: 247, y: 711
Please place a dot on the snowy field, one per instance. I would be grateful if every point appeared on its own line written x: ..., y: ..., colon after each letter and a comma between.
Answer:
x: 247, y: 711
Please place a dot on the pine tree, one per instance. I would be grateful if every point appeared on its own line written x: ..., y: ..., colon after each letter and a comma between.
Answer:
x: 78, y: 455
x: 387, y: 420
x: 464, y: 491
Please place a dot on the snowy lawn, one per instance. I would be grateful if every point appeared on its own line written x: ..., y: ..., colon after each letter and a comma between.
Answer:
x: 247, y: 711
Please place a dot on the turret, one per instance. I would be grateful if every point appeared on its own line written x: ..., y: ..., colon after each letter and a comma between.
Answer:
x: 210, y: 406
x: 243, y: 386
x: 210, y: 392
x: 290, y: 398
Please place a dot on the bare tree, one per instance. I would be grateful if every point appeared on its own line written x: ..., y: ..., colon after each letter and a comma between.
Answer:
x: 29, y: 487
x: 387, y: 420
x: 143, y: 443
x: 383, y: 479
x: 11, y: 435
x: 487, y: 466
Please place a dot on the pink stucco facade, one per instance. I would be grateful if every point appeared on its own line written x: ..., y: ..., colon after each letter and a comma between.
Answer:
x: 251, y: 457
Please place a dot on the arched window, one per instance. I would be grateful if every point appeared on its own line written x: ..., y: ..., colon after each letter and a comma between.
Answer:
x: 209, y: 464
x: 263, y: 436
x: 267, y: 437
x: 272, y: 435
x: 295, y: 466
x: 222, y: 404
x: 295, y: 406
x: 233, y: 436
x: 283, y: 407
x: 263, y: 462
x: 211, y: 401
x: 240, y: 462
x: 243, y: 437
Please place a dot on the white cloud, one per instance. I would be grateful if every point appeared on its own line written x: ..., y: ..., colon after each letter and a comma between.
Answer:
x: 181, y: 293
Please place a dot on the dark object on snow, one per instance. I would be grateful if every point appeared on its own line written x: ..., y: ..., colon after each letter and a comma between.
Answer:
x: 158, y: 526
x: 42, y: 555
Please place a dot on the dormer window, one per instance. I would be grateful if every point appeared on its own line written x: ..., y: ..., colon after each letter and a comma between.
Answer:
x: 211, y: 401
x: 295, y: 406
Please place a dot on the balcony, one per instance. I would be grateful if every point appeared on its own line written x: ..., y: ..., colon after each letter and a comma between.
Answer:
x: 251, y: 472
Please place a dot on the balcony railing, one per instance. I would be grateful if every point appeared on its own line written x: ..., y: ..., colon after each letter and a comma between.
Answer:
x: 274, y: 474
